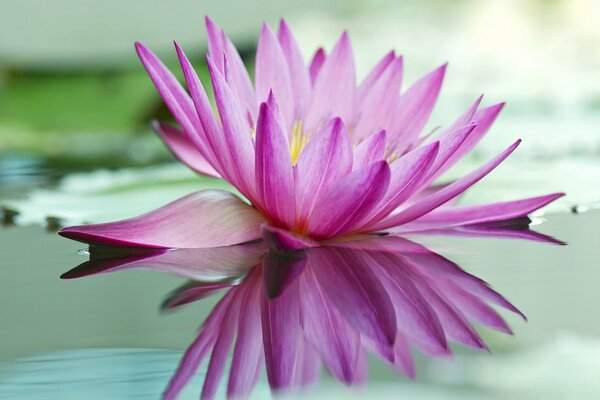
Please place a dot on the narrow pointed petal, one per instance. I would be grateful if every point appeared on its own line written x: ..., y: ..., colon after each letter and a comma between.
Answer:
x: 298, y: 70
x: 220, y: 353
x: 415, y: 106
x: 198, y: 350
x: 236, y: 133
x: 334, y: 90
x: 485, y: 213
x: 315, y: 65
x: 349, y: 201
x: 211, y: 138
x: 370, y: 150
x: 248, y: 355
x: 374, y: 75
x: 407, y: 173
x: 281, y: 271
x: 309, y: 367
x: 356, y: 292
x: 191, y: 293
x: 336, y: 342
x: 274, y: 174
x: 403, y: 359
x: 483, y: 119
x: 375, y: 109
x: 272, y: 74
x: 282, y: 241
x: 281, y: 337
x: 219, y: 44
x: 203, y: 219
x: 447, y: 193
x: 184, y: 149
x: 478, y: 310
x: 326, y: 158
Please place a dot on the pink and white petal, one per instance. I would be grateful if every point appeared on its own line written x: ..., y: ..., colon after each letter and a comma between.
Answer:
x: 308, y: 370
x: 298, y: 71
x: 237, y: 134
x: 274, y: 173
x: 272, y: 74
x: 184, y: 149
x: 315, y: 65
x: 325, y: 159
x: 485, y: 213
x: 334, y: 90
x: 370, y: 150
x: 414, y: 108
x: 354, y: 289
x: 349, y: 201
x: 203, y: 219
x: 219, y: 44
x: 336, y: 342
x: 367, y: 83
x: 375, y: 109
x: 248, y: 355
x: 446, y: 194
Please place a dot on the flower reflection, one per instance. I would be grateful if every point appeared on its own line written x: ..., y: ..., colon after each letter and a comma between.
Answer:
x: 295, y: 306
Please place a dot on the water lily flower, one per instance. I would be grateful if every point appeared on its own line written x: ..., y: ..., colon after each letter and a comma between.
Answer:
x: 311, y: 150
x: 334, y: 303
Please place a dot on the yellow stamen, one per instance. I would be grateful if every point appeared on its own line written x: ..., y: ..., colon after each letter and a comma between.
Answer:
x: 297, y: 142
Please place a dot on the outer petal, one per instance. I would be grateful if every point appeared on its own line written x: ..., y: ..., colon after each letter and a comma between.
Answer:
x: 274, y: 174
x: 203, y: 219
x: 337, y: 343
x: 334, y: 90
x: 298, y: 70
x: 370, y: 150
x: 447, y: 193
x: 236, y: 132
x: 326, y: 159
x: 414, y: 108
x: 315, y: 65
x: 485, y: 213
x: 219, y: 44
x: 367, y: 83
x: 184, y: 149
x: 272, y: 74
x: 349, y: 201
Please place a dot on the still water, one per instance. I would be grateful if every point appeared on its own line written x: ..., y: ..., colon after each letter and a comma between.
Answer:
x: 105, y: 336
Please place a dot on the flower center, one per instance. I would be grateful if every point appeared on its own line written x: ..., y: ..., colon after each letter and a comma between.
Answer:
x: 297, y: 142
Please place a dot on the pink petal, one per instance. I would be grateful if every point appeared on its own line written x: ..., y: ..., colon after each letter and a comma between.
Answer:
x: 236, y: 132
x: 414, y: 108
x: 184, y: 149
x: 222, y: 346
x: 308, y: 370
x: 334, y: 90
x: 349, y: 201
x: 272, y: 74
x: 198, y: 350
x: 281, y: 337
x: 353, y: 288
x: 326, y: 158
x: 375, y: 109
x: 190, y: 293
x: 447, y: 193
x: 370, y: 150
x: 274, y: 174
x: 203, y: 219
x: 407, y: 173
x: 219, y: 44
x: 282, y: 241
x: 337, y: 343
x: 485, y: 213
x: 367, y: 83
x: 280, y: 271
x: 248, y: 355
x: 301, y: 85
x: 315, y: 65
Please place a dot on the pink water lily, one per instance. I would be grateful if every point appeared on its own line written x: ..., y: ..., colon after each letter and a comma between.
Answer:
x: 312, y: 151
